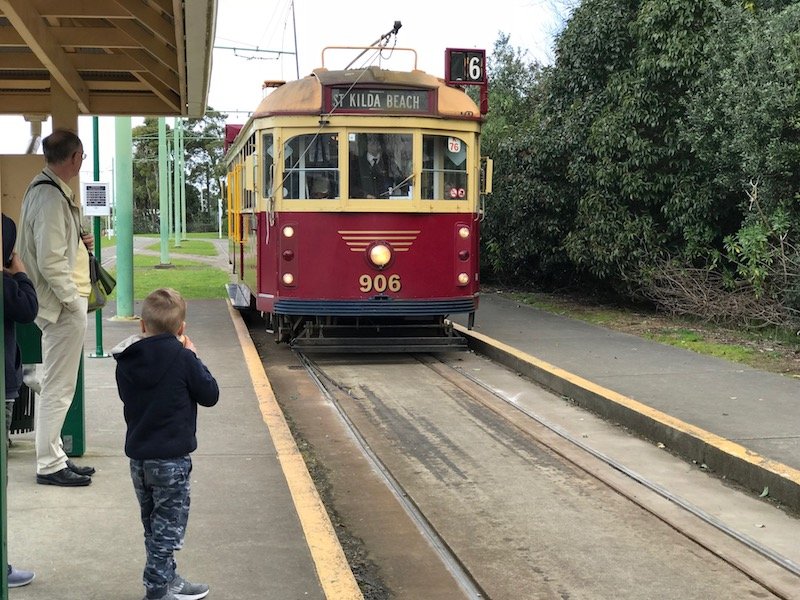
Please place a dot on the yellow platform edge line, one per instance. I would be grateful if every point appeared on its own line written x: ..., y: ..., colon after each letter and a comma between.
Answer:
x: 333, y: 570
x: 707, y: 437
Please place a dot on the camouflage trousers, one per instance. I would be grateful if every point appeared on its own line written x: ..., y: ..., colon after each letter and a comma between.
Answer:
x: 162, y: 488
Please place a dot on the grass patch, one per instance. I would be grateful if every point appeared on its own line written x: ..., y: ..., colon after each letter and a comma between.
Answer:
x: 194, y: 280
x: 196, y: 247
x: 693, y: 340
x: 769, y: 349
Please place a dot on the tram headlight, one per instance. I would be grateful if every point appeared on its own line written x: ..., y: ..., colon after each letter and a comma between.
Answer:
x: 463, y: 279
x: 288, y: 231
x: 288, y: 278
x: 380, y: 255
x: 463, y: 232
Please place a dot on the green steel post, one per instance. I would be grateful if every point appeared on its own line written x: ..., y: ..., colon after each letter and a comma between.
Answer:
x: 163, y: 191
x: 170, y: 185
x: 176, y: 196
x: 98, y: 242
x: 123, y: 186
x: 3, y: 482
x: 183, y: 187
x: 73, y: 433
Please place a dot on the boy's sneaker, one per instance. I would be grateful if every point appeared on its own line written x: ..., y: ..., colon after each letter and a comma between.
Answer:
x: 167, y: 596
x: 184, y: 590
x: 18, y: 577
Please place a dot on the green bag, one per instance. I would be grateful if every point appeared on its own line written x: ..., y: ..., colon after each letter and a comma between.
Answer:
x: 102, y: 282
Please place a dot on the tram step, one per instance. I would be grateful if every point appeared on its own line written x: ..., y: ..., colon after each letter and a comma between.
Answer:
x: 240, y: 299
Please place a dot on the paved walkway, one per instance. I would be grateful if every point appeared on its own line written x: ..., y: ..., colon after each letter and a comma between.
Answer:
x: 257, y: 530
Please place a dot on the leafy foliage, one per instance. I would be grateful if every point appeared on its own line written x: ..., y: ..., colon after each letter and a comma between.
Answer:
x: 203, y: 140
x: 642, y: 146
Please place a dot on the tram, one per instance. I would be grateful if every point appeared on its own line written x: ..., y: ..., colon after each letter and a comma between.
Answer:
x: 355, y: 198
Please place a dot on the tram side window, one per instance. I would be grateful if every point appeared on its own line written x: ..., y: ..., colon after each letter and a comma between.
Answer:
x: 444, y: 168
x: 380, y: 165
x: 311, y: 167
x: 267, y: 161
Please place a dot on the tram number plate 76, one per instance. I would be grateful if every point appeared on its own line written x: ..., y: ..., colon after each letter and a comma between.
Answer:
x: 380, y: 283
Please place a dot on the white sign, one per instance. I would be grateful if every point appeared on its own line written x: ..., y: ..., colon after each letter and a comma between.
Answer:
x: 96, y: 199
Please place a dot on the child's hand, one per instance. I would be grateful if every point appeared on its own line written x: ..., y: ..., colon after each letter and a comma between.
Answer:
x: 187, y: 343
x: 15, y: 266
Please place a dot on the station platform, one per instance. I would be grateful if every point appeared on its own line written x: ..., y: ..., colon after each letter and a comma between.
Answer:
x: 739, y: 423
x: 257, y: 529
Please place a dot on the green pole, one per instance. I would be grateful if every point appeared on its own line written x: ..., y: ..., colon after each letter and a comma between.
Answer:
x: 176, y: 178
x: 170, y: 186
x: 3, y: 483
x: 123, y: 186
x: 183, y: 187
x: 163, y: 191
x: 98, y: 242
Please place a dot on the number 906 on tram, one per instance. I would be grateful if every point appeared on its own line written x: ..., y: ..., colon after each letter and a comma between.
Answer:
x: 354, y: 207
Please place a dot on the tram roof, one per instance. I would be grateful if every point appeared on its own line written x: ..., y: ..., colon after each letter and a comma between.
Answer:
x: 127, y: 57
x: 304, y: 96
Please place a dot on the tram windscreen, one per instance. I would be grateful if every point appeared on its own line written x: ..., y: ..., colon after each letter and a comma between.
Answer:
x: 267, y: 170
x: 311, y: 167
x: 381, y: 165
x: 444, y: 168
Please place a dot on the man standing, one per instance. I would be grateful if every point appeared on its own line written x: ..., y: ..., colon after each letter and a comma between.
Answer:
x: 55, y: 250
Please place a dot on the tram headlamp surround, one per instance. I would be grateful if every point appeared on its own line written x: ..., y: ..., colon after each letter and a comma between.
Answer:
x: 288, y: 231
x: 463, y: 279
x: 380, y: 255
x: 463, y: 232
x: 288, y: 278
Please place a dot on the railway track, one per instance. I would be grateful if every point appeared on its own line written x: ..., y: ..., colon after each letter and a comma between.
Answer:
x: 495, y: 489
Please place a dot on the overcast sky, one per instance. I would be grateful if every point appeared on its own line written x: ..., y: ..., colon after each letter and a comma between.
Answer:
x: 428, y: 26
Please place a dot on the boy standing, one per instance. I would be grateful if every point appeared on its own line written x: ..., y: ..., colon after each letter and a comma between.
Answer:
x: 19, y: 306
x: 161, y: 382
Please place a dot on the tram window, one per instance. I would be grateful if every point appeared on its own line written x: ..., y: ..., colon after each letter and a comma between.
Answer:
x: 380, y: 165
x: 267, y: 162
x: 444, y: 168
x: 311, y: 167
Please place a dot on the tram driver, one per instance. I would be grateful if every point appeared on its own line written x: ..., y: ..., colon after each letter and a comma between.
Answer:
x: 373, y: 174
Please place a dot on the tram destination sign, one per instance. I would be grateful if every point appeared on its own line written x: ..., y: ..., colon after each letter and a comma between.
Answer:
x: 394, y: 100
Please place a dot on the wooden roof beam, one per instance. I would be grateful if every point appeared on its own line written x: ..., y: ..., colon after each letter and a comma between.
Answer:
x: 169, y: 97
x: 144, y: 39
x: 30, y: 26
x: 180, y: 50
x: 151, y: 19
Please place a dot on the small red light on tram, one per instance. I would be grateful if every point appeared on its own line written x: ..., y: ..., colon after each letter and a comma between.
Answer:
x: 463, y: 255
x: 288, y: 254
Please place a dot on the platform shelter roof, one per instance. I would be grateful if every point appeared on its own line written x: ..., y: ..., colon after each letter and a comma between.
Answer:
x: 111, y: 57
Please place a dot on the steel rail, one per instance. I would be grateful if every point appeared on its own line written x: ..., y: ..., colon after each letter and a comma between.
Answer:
x: 456, y: 568
x: 752, y: 544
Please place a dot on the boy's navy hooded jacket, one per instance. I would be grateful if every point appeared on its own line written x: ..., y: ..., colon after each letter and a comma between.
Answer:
x: 161, y: 383
x: 20, y: 305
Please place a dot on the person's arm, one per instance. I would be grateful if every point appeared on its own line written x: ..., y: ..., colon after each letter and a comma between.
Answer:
x: 203, y: 388
x: 19, y: 297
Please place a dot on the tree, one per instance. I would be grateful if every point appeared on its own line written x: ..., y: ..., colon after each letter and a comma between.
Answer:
x: 204, y: 170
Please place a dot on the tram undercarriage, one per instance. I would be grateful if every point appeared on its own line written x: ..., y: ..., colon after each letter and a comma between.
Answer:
x: 366, y: 334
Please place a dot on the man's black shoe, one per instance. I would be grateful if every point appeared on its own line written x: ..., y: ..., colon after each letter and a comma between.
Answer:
x: 88, y: 471
x: 64, y: 478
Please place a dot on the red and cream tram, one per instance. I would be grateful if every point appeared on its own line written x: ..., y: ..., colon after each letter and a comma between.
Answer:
x: 354, y: 203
